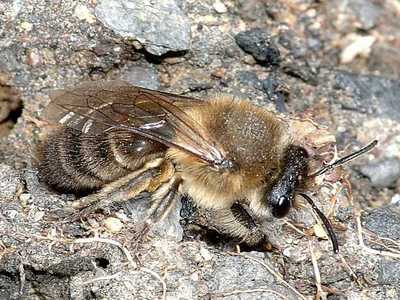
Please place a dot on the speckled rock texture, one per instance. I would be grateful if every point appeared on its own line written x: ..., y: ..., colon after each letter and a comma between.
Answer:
x: 288, y: 57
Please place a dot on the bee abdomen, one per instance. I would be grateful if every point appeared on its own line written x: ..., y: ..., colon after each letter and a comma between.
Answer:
x: 76, y: 162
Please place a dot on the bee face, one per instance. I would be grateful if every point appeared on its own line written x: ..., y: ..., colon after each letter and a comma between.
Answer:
x: 280, y: 198
x: 124, y: 140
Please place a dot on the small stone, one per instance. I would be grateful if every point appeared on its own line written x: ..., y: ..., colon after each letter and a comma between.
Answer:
x: 382, y: 173
x: 174, y: 60
x: 25, y: 197
x: 257, y: 42
x: 26, y: 26
x: 143, y: 75
x: 360, y: 46
x: 384, y: 221
x: 367, y: 12
x: 34, y: 58
x: 220, y: 7
x: 218, y: 73
x: 113, y: 225
x: 206, y: 254
x: 10, y: 182
x: 319, y: 231
x: 83, y: 13
x: 395, y: 199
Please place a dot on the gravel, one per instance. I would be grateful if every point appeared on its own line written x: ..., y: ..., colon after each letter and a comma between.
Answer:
x: 202, y: 48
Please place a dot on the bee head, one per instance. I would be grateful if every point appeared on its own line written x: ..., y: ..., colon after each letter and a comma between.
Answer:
x: 281, y: 195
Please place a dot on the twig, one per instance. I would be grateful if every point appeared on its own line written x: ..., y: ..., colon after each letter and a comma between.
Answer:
x: 236, y: 292
x: 270, y: 270
x: 108, y: 277
x: 357, y: 214
x: 350, y: 270
x: 85, y: 241
x: 22, y: 277
x: 108, y: 241
x: 294, y: 228
x: 316, y: 271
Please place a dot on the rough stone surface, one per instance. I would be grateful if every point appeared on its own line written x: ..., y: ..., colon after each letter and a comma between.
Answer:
x: 372, y: 94
x: 389, y: 272
x: 382, y: 173
x: 258, y: 43
x: 10, y: 182
x: 46, y: 45
x: 385, y: 222
x: 160, y: 26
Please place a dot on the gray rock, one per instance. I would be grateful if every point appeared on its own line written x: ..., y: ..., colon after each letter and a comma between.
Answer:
x: 258, y: 43
x: 168, y: 228
x: 8, y: 60
x: 372, y: 94
x: 10, y: 182
x: 384, y: 221
x: 250, y: 78
x: 382, y: 173
x: 367, y: 12
x: 160, y: 26
x: 143, y: 75
x: 389, y: 272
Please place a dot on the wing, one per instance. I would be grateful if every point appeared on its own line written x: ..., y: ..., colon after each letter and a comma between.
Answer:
x: 100, y: 106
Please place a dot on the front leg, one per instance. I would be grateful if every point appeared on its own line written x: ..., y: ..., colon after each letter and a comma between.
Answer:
x: 237, y: 223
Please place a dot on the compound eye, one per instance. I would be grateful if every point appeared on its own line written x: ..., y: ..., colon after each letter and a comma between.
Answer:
x: 281, y: 207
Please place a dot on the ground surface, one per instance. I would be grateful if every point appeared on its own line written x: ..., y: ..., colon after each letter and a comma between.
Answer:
x: 338, y: 61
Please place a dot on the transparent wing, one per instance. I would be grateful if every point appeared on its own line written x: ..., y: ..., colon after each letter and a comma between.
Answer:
x: 100, y: 106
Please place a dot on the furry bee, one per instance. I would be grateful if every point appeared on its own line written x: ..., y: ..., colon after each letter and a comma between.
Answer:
x: 120, y: 140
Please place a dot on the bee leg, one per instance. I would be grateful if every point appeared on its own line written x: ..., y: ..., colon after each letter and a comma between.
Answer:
x: 237, y: 223
x: 123, y: 189
x: 163, y: 200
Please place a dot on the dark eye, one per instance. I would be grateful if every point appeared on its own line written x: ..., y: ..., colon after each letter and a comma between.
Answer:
x: 281, y: 207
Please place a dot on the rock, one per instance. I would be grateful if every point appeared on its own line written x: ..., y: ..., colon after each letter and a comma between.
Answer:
x: 160, y: 26
x: 84, y: 14
x: 384, y: 221
x: 141, y: 75
x: 10, y: 183
x: 375, y: 94
x: 113, y: 225
x: 276, y: 91
x: 250, y: 78
x: 367, y: 12
x: 389, y: 272
x: 258, y: 43
x: 382, y: 173
x: 361, y: 45
x: 169, y: 227
x: 220, y: 7
x: 8, y: 61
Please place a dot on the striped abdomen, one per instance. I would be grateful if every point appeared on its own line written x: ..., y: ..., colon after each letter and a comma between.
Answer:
x: 75, y: 162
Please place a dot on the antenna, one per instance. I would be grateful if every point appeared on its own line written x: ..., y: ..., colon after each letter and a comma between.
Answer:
x: 345, y: 159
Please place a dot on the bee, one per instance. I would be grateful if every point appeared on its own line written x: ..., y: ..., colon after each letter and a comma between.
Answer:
x: 116, y: 141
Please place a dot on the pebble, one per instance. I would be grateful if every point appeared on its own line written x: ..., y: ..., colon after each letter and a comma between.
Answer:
x: 83, y: 13
x: 257, y: 42
x: 220, y: 7
x: 160, y: 26
x: 10, y: 182
x: 384, y: 221
x: 383, y: 173
x: 360, y: 46
x: 144, y: 75
x: 206, y: 254
x: 113, y: 225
